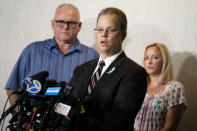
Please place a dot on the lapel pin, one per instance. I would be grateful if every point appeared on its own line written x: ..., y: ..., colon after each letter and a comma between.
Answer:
x: 111, y: 70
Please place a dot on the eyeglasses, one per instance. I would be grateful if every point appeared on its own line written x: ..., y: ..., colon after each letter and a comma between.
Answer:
x: 108, y: 31
x: 61, y: 23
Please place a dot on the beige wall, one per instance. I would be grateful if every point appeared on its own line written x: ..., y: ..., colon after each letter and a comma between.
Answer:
x: 173, y: 22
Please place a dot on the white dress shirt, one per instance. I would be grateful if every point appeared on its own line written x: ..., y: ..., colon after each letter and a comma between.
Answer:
x: 107, y: 61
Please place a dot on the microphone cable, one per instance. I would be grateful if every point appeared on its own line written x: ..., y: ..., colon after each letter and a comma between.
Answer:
x: 33, y: 117
x: 3, y: 115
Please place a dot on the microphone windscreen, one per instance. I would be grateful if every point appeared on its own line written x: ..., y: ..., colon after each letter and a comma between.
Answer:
x: 66, y: 88
x: 41, y: 76
x: 62, y: 83
x: 51, y: 83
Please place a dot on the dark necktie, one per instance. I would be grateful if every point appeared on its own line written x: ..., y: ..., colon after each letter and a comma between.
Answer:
x: 95, y: 78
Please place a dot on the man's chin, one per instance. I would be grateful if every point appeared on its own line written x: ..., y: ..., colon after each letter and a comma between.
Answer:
x: 105, y: 51
x: 67, y: 40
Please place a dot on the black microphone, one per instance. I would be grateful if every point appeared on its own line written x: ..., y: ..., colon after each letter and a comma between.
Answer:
x: 68, y: 106
x: 34, y: 83
x: 66, y: 89
x: 51, y: 83
x: 41, y: 76
x: 66, y: 102
x: 31, y: 85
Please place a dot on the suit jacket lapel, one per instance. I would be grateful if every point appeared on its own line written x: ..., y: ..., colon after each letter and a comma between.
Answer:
x: 111, y: 70
x: 88, y: 75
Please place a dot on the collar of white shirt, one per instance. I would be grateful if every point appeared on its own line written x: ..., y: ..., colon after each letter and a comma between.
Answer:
x: 107, y: 61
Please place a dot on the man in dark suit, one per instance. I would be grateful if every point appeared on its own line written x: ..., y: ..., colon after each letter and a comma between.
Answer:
x: 114, y: 95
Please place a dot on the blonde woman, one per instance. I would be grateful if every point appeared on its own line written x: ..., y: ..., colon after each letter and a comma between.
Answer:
x: 164, y: 102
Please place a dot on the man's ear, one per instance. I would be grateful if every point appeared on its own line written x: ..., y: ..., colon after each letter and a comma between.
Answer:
x: 52, y: 24
x: 79, y: 26
x: 124, y: 34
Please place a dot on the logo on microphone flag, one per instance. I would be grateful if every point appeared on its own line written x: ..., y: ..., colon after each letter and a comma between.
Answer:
x: 32, y: 86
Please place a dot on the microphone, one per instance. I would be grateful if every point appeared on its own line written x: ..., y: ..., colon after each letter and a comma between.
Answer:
x: 31, y: 85
x: 51, y: 83
x: 66, y: 88
x: 34, y: 83
x: 64, y: 106
x: 41, y: 76
x: 60, y: 89
x: 68, y: 106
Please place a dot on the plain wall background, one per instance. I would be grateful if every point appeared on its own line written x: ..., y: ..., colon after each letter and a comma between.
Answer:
x: 173, y: 22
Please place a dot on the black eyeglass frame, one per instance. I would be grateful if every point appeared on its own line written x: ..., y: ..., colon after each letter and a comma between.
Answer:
x: 61, y: 23
x: 109, y: 30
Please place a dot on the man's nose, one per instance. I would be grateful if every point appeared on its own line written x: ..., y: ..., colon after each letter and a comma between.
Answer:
x: 105, y: 33
x: 66, y: 26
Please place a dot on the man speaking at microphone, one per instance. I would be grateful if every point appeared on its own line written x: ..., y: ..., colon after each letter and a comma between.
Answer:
x: 59, y: 55
x: 112, y: 87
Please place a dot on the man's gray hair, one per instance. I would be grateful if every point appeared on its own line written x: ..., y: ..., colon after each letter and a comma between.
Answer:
x: 68, y: 6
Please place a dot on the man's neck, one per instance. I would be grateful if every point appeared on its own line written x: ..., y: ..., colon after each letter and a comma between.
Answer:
x: 106, y: 55
x: 64, y: 46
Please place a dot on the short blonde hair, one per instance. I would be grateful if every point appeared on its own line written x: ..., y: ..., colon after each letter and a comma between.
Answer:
x: 167, y: 70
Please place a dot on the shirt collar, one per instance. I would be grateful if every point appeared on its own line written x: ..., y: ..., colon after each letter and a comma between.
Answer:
x: 110, y: 59
x: 53, y: 43
x: 76, y: 46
